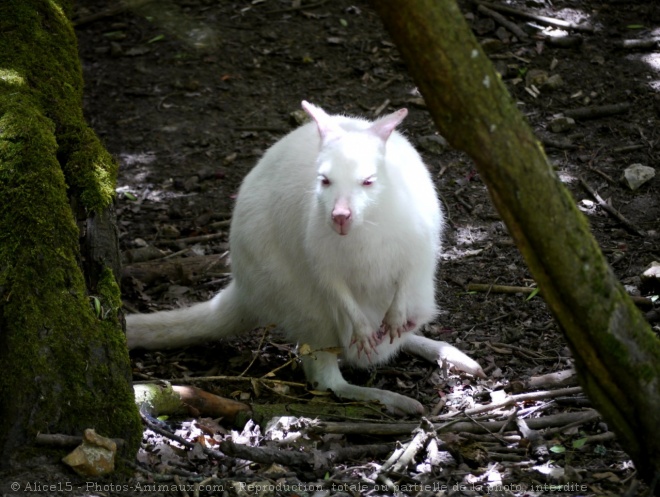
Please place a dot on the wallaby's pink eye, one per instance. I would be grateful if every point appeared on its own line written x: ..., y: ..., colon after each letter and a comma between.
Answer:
x: 368, y: 182
x: 325, y: 181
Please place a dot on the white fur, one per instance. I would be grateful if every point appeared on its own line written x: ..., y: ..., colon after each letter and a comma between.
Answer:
x: 334, y: 261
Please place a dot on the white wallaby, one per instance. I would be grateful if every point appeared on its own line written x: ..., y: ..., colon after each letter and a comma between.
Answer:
x: 335, y: 238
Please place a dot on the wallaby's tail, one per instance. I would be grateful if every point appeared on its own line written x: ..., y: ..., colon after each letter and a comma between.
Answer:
x: 219, y: 317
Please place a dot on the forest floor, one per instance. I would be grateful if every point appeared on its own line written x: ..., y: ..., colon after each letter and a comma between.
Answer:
x: 188, y: 94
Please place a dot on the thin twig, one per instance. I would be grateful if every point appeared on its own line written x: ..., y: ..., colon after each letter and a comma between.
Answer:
x: 611, y: 210
x: 602, y: 174
x: 491, y: 288
x: 240, y: 379
x: 193, y: 239
x: 456, y: 425
x: 261, y: 342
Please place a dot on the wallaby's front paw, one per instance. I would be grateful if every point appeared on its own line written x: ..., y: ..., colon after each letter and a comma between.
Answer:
x: 365, y: 339
x: 396, y: 328
x: 366, y: 345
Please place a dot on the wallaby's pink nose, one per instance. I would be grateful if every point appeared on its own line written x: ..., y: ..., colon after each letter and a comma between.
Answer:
x: 341, y: 219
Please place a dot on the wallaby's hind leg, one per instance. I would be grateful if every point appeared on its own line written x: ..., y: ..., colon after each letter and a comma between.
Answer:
x: 322, y: 371
x: 434, y: 351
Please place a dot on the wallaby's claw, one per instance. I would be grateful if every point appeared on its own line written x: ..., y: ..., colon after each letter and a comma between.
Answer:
x: 396, y: 332
x: 367, y: 345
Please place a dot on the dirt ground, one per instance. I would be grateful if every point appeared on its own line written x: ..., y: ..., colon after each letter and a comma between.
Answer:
x: 188, y: 94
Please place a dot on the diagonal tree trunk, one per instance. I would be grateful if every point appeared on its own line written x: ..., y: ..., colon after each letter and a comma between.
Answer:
x: 64, y: 361
x: 616, y: 353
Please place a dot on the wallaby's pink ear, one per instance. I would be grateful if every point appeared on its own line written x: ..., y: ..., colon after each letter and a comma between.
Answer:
x: 328, y: 129
x: 385, y: 125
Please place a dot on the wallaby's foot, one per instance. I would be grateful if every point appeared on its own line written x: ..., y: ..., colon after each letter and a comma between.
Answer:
x: 443, y: 354
x: 322, y: 371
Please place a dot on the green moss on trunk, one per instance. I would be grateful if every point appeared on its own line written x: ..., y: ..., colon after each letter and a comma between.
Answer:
x: 65, y: 366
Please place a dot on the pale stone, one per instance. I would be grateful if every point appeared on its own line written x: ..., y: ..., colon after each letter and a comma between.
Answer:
x: 637, y: 174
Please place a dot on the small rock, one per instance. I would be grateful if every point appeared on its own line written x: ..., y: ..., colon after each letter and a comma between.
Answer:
x: 298, y: 117
x: 169, y: 231
x: 231, y: 158
x: 536, y: 77
x: 94, y: 457
x: 637, y: 174
x: 553, y: 82
x: 561, y: 124
x: 491, y: 45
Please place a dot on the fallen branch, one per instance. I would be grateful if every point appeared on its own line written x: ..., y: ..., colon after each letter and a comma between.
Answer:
x: 550, y: 21
x: 598, y: 111
x: 564, y: 41
x: 611, y: 210
x: 456, y: 426
x: 266, y: 455
x: 263, y: 412
x: 558, y: 378
x: 639, y: 44
x: 228, y: 379
x: 185, y: 269
x: 499, y: 18
x: 66, y: 441
x: 502, y: 348
x: 628, y: 148
x: 317, y: 459
x: 486, y: 287
x: 400, y: 460
x: 513, y: 399
x: 158, y: 399
x: 178, y: 242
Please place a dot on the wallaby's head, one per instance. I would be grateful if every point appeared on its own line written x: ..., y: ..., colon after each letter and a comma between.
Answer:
x: 350, y: 167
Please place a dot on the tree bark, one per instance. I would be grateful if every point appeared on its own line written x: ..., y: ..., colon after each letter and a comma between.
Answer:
x: 617, y: 355
x: 64, y: 360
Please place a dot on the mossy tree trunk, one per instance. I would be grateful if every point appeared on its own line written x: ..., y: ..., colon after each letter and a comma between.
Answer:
x: 616, y: 353
x: 63, y: 355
